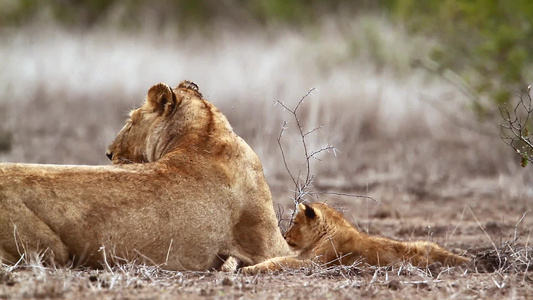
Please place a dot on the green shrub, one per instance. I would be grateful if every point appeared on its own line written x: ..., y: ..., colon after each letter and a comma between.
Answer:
x: 487, y: 42
x: 6, y: 140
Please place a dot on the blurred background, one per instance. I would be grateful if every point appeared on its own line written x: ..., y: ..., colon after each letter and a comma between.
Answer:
x: 407, y: 90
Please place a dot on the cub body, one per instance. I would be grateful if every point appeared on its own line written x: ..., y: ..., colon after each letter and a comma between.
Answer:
x: 322, y: 235
x: 185, y: 192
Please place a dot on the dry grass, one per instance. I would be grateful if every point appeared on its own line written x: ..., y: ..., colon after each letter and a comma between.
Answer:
x: 32, y: 279
x: 63, y: 97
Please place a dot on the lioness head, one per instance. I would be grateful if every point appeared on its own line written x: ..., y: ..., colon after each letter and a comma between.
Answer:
x: 166, y: 117
x: 307, y: 228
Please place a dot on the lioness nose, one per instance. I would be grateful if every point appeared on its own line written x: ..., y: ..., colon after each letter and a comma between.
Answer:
x: 109, y: 154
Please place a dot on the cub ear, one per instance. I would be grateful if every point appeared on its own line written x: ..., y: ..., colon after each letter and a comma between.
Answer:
x: 308, y: 210
x: 162, y: 98
x: 189, y: 85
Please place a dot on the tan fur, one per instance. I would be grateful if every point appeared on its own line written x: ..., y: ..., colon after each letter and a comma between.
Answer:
x: 198, y: 197
x: 322, y: 235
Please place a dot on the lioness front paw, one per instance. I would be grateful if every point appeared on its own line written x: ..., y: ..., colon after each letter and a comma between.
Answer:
x: 230, y: 265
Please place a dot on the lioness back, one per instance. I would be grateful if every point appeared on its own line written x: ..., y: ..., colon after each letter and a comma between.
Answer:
x: 185, y: 192
x: 321, y: 234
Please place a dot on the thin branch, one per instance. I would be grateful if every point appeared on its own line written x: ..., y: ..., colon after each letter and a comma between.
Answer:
x: 325, y: 149
x: 313, y: 130
x: 294, y: 112
x: 488, y: 236
x: 303, y: 183
x: 514, y: 130
x: 346, y: 195
x: 283, y: 128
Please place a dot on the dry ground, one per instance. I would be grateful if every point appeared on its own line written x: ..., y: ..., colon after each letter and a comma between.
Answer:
x: 434, y: 174
x: 496, y: 237
x: 477, y: 218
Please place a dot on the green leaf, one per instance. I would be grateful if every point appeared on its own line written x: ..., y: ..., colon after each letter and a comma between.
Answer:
x: 524, y: 161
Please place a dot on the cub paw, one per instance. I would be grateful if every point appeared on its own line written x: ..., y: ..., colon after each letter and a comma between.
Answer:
x: 263, y: 267
x: 251, y: 270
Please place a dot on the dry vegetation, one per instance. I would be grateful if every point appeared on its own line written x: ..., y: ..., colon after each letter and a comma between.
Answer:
x: 31, y: 279
x: 406, y: 138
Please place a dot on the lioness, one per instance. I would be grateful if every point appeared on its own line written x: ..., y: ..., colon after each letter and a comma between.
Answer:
x: 322, y: 235
x: 199, y: 197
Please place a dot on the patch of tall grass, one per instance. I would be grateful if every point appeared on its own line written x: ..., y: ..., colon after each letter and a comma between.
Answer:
x: 65, y: 94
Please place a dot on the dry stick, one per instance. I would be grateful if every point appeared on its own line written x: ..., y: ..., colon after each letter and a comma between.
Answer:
x: 21, y: 259
x: 102, y: 248
x: 346, y: 195
x: 302, y: 135
x: 168, y: 252
x: 488, y: 236
x: 528, y: 260
x: 518, y: 223
x: 283, y: 152
x: 15, y: 238
x: 338, y: 258
x: 517, y: 126
x: 510, y: 245
x: 302, y: 186
x: 457, y: 226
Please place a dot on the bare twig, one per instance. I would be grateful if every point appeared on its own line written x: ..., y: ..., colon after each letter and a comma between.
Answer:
x: 294, y: 112
x: 283, y: 128
x: 346, y: 195
x: 168, y: 252
x: 303, y: 182
x: 488, y: 236
x: 102, y: 249
x: 514, y: 131
x: 456, y: 226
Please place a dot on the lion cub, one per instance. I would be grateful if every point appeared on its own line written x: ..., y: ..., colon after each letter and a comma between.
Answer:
x: 323, y: 235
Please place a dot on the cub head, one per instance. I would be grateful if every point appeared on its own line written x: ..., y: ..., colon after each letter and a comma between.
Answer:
x: 308, y: 226
x: 158, y: 125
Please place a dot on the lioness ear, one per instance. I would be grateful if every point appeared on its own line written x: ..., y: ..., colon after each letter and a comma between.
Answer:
x: 309, y: 211
x: 162, y: 98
